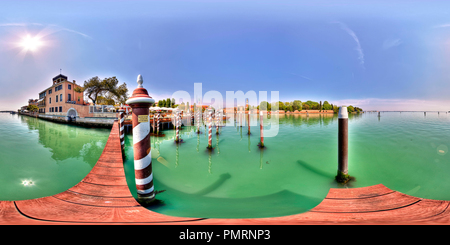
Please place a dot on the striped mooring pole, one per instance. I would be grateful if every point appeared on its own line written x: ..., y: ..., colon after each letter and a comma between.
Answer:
x: 261, y: 130
x: 158, y: 114
x: 209, y: 130
x: 177, y: 123
x: 153, y: 122
x: 121, y: 127
x: 140, y: 102
x: 217, y: 121
x: 342, y: 173
x: 198, y: 122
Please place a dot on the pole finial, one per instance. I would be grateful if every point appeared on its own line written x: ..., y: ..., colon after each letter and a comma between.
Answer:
x: 140, y: 81
x: 343, y: 113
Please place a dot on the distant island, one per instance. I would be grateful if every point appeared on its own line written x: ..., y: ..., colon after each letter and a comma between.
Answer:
x: 298, y: 105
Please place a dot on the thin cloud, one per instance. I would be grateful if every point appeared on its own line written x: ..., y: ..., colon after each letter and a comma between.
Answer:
x: 70, y: 30
x: 77, y: 32
x: 307, y: 78
x: 442, y: 26
x: 58, y: 28
x: 390, y: 43
x: 355, y: 38
x: 19, y: 24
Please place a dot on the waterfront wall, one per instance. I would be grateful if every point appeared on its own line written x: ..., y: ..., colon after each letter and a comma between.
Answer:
x: 91, y: 122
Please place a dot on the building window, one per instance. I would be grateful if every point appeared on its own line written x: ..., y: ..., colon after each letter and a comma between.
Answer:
x: 56, y: 98
x: 50, y: 100
x: 69, y: 96
x: 70, y: 87
x: 60, y: 109
x: 60, y: 97
x: 56, y: 109
x: 49, y: 91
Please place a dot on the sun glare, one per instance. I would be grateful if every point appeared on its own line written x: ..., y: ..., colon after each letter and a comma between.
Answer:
x: 31, y: 43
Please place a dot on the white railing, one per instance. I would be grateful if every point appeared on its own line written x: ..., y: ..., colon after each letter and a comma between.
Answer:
x: 102, y: 109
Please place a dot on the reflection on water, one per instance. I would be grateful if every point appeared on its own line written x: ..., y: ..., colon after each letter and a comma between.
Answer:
x: 64, y: 142
x: 405, y: 151
x: 44, y: 157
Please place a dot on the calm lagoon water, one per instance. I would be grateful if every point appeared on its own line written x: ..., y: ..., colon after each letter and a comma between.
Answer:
x: 40, y: 158
x: 407, y: 152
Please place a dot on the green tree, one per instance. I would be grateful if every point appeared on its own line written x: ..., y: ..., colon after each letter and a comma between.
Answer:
x: 32, y: 108
x: 264, y: 105
x: 281, y: 106
x: 105, y: 100
x: 335, y: 109
x: 297, y: 105
x: 168, y: 103
x: 95, y: 87
x: 350, y: 108
x: 326, y: 106
x: 312, y: 105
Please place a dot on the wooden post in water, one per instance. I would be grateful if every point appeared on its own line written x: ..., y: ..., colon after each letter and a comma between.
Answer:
x: 248, y: 115
x: 140, y: 102
x: 342, y: 173
x: 198, y: 122
x: 177, y: 125
x: 209, y: 130
x: 216, y: 116
x: 261, y: 129
x: 158, y: 114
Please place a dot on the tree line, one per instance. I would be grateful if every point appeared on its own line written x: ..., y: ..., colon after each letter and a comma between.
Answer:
x: 308, y: 105
x: 170, y: 103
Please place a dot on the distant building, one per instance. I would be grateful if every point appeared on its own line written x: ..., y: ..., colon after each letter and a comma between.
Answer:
x: 33, y: 102
x: 60, y: 98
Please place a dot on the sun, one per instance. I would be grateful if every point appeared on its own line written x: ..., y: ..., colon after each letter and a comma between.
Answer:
x: 29, y: 43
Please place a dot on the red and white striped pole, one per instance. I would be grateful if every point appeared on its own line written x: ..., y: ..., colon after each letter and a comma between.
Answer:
x: 217, y: 121
x: 121, y: 127
x: 140, y: 102
x: 177, y: 123
x: 198, y: 122
x: 153, y: 122
x: 261, y: 144
x: 209, y: 130
x: 158, y: 114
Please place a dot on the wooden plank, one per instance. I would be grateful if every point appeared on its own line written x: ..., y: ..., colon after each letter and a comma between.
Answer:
x: 361, y: 192
x: 102, y: 190
x: 369, y: 204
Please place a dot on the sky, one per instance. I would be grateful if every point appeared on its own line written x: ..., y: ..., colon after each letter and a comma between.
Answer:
x: 377, y: 55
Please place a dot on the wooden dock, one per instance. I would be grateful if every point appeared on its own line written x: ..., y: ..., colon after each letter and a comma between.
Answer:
x: 103, y: 197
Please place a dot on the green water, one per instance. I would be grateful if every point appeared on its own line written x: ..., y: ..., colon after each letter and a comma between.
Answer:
x: 407, y: 152
x: 40, y: 158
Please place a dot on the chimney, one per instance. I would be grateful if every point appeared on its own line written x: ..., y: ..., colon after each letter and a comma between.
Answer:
x: 74, y: 82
